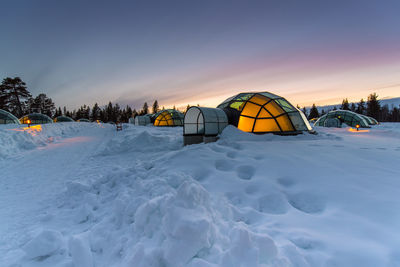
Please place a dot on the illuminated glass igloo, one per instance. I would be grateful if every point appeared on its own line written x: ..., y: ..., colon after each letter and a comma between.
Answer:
x: 263, y: 112
x: 7, y: 118
x: 63, y: 119
x: 168, y: 117
x: 370, y: 120
x: 203, y: 124
x: 35, y: 118
x: 344, y: 116
x: 83, y: 120
x: 143, y: 120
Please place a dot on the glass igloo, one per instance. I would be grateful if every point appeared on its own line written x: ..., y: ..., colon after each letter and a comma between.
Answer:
x: 7, y: 118
x: 264, y: 112
x: 203, y: 124
x: 168, y: 117
x: 63, y: 119
x: 344, y: 116
x: 35, y: 118
x: 143, y: 120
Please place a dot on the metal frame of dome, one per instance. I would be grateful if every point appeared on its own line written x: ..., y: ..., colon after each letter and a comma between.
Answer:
x: 345, y: 116
x: 8, y: 118
x: 249, y: 112
x: 168, y: 117
x: 35, y: 118
x: 63, y: 119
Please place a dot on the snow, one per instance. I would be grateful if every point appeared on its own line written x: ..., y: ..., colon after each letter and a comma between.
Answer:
x: 82, y: 194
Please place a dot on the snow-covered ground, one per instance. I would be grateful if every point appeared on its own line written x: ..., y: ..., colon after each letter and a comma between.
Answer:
x: 82, y: 194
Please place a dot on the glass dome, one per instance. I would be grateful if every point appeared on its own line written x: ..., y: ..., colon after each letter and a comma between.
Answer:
x: 83, y: 120
x: 143, y: 120
x: 344, y: 116
x: 168, y: 117
x: 35, y: 118
x: 370, y: 120
x: 63, y: 119
x: 7, y: 118
x: 204, y: 121
x: 264, y: 112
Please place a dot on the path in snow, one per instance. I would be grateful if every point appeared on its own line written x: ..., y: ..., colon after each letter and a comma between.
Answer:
x: 30, y: 182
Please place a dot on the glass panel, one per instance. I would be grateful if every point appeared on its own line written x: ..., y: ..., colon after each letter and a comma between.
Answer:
x: 272, y: 96
x: 191, y: 129
x: 285, y: 105
x: 237, y: 105
x: 274, y: 108
x: 259, y: 99
x: 266, y: 125
x: 191, y: 115
x: 250, y: 109
x: 245, y: 124
x: 211, y: 129
x: 297, y: 121
x: 264, y: 114
x: 285, y: 124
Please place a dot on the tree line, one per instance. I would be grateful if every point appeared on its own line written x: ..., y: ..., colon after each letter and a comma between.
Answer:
x: 372, y: 107
x: 16, y: 99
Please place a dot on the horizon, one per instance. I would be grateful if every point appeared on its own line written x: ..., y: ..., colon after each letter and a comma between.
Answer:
x: 182, y: 53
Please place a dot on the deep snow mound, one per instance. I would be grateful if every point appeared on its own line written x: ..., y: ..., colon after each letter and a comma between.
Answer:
x: 18, y: 138
x: 141, y: 139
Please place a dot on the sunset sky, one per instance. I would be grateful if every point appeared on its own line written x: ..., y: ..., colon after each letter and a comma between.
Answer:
x: 201, y: 52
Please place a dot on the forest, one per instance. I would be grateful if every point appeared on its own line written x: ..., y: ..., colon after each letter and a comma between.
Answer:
x: 16, y: 98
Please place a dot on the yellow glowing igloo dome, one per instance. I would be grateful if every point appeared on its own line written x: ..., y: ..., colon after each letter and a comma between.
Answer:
x: 264, y: 112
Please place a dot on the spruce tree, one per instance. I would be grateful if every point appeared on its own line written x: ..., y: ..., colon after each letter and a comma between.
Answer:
x: 361, y: 107
x: 95, y: 112
x: 155, y: 107
x: 13, y: 92
x: 145, y: 109
x: 345, y: 104
x: 313, y: 112
x: 373, y: 106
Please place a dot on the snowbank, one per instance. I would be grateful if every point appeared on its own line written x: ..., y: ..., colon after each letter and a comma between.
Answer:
x: 142, y: 199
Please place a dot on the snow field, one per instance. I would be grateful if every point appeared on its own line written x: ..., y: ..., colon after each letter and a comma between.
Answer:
x: 141, y: 199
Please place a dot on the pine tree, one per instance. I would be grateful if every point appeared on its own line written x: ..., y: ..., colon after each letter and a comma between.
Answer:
x: 345, y: 104
x: 13, y: 92
x: 373, y: 106
x: 313, y: 112
x: 361, y: 107
x: 353, y: 107
x: 155, y: 107
x: 42, y: 104
x: 145, y: 109
x: 95, y: 112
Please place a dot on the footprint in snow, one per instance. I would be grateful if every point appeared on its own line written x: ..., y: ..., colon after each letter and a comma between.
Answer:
x: 307, y: 202
x: 274, y: 203
x: 223, y: 165
x: 245, y: 172
x: 231, y: 154
x: 286, y: 181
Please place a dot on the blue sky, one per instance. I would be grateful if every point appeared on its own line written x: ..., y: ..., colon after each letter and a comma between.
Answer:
x: 189, y: 52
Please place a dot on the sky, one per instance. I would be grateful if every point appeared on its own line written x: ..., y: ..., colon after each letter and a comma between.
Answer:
x: 201, y: 52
